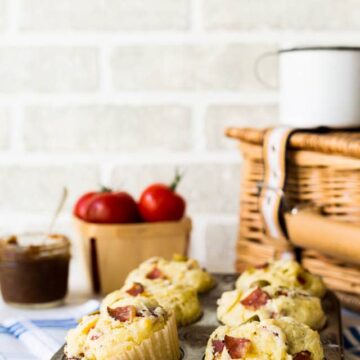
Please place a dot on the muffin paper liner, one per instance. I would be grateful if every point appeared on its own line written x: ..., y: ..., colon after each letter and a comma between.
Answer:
x: 162, y: 345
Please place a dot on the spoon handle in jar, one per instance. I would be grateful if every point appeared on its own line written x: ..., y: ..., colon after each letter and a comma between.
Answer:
x: 60, y: 206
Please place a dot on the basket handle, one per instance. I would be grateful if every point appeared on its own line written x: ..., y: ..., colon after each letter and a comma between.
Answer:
x: 309, y: 229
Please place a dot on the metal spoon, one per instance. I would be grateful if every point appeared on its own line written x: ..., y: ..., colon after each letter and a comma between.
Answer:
x: 58, y: 210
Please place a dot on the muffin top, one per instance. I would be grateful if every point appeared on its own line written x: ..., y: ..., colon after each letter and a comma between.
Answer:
x: 236, y: 307
x: 181, y: 271
x: 119, y: 327
x: 179, y: 299
x: 271, y: 339
x: 301, y: 339
x: 286, y: 273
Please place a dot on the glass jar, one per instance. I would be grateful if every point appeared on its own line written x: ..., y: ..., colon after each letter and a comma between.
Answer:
x: 34, y: 269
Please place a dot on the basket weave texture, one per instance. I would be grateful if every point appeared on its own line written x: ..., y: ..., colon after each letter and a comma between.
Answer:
x: 322, y: 168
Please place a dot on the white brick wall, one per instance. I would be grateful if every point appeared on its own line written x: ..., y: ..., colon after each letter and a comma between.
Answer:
x: 2, y: 15
x: 48, y: 69
x: 104, y: 15
x: 218, y: 117
x: 36, y: 188
x: 282, y: 14
x: 121, y: 91
x: 97, y: 128
x: 5, y: 126
x: 215, y: 67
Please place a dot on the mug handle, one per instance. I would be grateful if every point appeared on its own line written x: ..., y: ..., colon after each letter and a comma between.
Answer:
x: 257, y: 70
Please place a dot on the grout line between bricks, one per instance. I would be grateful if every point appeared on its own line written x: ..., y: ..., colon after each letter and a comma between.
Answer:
x: 116, y: 159
x: 197, y: 243
x: 13, y: 38
x: 105, y: 71
x: 198, y: 131
x: 16, y: 134
x: 196, y: 16
x: 12, y: 17
x: 139, y: 98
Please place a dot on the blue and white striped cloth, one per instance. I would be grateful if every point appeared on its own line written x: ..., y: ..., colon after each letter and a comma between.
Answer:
x: 39, y: 338
x: 352, y: 342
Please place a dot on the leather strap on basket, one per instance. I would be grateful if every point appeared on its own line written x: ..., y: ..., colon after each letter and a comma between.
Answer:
x: 272, y: 192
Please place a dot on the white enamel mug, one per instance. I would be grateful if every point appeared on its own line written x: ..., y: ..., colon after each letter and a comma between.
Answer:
x: 319, y: 86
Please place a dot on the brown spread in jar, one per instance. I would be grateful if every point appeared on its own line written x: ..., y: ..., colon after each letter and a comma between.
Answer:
x: 34, y: 269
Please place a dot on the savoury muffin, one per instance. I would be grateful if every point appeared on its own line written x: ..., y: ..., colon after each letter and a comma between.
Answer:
x: 286, y: 273
x: 303, y: 343
x: 179, y: 299
x: 180, y: 271
x: 77, y: 338
x: 133, y: 328
x: 270, y: 302
x: 283, y: 339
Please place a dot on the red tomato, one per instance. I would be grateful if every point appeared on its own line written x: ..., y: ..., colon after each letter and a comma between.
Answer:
x: 160, y: 202
x: 81, y: 206
x: 107, y: 208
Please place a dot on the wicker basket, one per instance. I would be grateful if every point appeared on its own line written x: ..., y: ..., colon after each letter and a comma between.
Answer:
x: 322, y: 168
